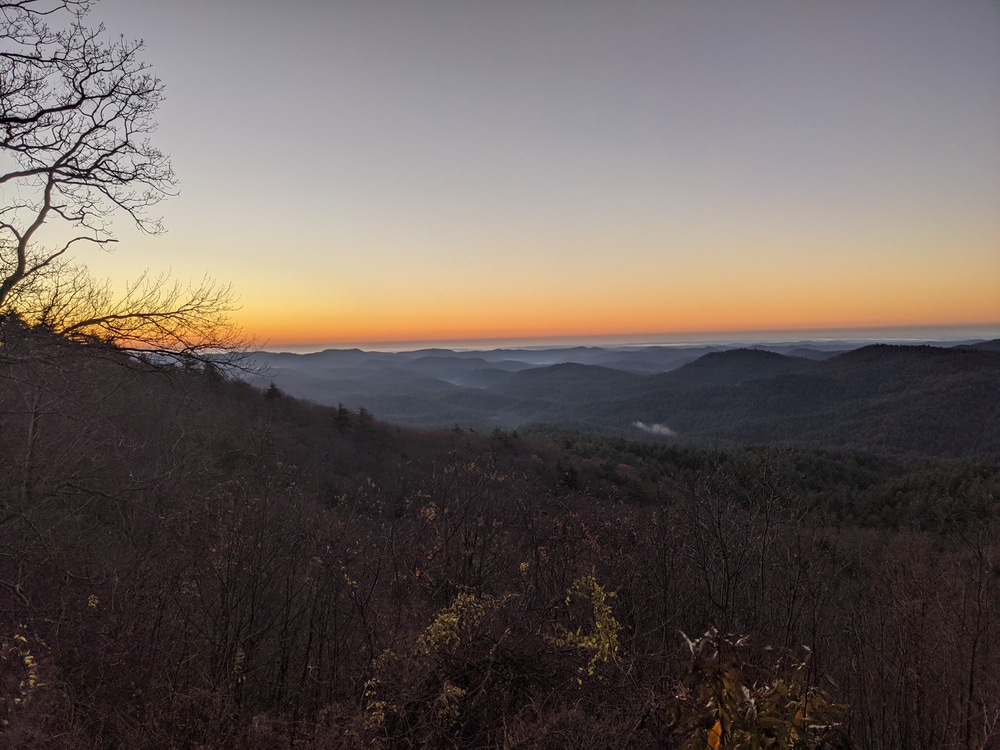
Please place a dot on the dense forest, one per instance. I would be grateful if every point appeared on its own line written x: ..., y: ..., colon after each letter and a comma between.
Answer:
x: 187, y: 561
x: 927, y: 400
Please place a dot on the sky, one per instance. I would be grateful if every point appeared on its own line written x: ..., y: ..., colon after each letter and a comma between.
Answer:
x: 433, y: 170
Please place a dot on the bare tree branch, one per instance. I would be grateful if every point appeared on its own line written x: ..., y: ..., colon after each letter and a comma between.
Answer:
x: 76, y: 111
x: 155, y: 318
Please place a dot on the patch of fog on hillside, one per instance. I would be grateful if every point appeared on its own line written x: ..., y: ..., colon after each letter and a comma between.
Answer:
x: 655, y: 429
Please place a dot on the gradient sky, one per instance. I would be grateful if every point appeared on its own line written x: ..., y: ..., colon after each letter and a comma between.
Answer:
x: 366, y: 170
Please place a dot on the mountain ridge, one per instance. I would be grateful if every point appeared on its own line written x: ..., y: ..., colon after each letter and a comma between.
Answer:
x: 906, y: 398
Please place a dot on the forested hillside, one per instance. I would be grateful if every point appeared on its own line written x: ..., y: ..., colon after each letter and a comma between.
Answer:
x: 918, y: 400
x: 188, y: 561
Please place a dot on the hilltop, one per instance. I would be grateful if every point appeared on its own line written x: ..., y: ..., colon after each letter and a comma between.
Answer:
x: 911, y: 399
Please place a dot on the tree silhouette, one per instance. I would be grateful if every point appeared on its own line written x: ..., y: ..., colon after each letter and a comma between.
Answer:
x: 77, y: 111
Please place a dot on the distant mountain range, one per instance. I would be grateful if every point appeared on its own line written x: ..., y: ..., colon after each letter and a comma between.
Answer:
x: 915, y: 399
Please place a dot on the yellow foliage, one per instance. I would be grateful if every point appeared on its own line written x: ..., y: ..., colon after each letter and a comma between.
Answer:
x: 17, y: 661
x: 448, y: 700
x: 440, y: 638
x: 603, y: 641
x: 466, y: 610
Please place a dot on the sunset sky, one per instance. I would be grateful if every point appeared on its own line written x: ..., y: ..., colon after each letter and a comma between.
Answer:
x: 393, y: 170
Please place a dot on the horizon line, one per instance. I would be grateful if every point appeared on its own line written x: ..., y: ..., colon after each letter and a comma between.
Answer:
x: 847, y: 334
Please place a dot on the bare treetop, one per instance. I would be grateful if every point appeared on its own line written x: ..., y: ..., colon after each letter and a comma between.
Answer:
x: 76, y: 111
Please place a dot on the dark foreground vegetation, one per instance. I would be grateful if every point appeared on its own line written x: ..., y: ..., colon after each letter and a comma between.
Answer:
x: 188, y: 562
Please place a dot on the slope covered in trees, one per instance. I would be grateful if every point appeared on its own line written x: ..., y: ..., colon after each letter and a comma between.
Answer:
x: 188, y: 561
x: 920, y: 400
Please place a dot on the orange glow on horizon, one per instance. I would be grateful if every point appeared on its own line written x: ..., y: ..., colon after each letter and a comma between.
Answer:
x: 330, y: 334
x: 623, y: 300
x: 681, y: 314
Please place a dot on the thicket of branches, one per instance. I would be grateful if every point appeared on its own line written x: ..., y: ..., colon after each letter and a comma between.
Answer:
x: 188, y: 562
x: 77, y: 111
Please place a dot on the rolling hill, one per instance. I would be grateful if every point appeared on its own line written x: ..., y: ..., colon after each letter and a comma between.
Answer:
x: 912, y: 399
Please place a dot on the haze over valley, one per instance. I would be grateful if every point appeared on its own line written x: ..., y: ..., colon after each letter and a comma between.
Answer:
x: 926, y: 399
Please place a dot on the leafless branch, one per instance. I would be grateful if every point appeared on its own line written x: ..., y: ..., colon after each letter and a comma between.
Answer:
x: 76, y: 114
x: 155, y: 317
x: 77, y: 111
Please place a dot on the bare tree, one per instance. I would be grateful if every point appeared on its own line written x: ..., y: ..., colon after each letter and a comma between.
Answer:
x: 76, y: 114
x: 152, y: 316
